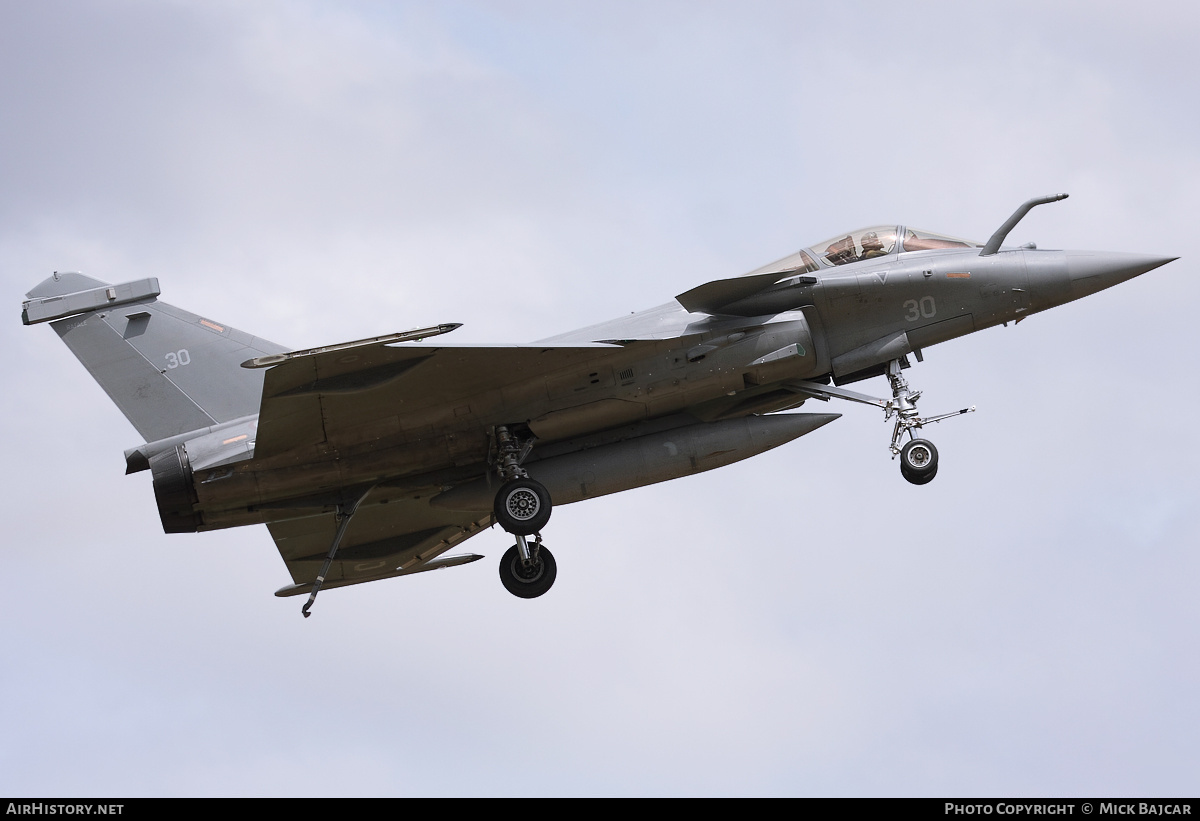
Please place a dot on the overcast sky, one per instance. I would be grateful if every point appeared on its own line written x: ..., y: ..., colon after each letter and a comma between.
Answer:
x: 802, y: 623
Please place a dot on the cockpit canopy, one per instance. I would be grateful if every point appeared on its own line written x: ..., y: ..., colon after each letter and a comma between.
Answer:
x: 864, y: 244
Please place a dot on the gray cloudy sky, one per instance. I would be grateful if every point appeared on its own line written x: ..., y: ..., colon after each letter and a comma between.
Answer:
x: 802, y: 623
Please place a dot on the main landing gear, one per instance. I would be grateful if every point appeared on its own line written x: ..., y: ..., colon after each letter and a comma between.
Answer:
x: 918, y: 457
x: 522, y: 507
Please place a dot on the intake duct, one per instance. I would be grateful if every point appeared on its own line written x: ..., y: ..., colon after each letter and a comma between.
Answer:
x: 175, y: 491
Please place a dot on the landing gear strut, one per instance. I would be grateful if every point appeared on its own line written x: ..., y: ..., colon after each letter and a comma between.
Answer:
x: 918, y: 457
x: 522, y: 507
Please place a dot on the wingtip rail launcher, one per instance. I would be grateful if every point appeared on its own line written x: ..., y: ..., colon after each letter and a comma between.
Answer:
x: 415, y: 335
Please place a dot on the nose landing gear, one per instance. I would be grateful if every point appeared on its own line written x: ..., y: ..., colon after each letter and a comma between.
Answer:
x: 918, y: 457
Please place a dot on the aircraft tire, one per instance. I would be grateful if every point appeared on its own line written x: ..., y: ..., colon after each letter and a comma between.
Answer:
x: 919, y: 458
x: 527, y: 583
x: 918, y: 479
x: 522, y: 506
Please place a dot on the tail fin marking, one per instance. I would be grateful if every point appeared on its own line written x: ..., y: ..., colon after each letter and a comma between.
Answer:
x: 169, y: 371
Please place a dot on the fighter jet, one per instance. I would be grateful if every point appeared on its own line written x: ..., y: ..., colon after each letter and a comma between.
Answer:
x: 372, y: 459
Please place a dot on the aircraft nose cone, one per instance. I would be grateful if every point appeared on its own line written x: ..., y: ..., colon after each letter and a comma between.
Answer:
x: 1092, y: 271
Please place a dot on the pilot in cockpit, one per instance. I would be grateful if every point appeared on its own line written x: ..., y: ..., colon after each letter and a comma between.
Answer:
x: 872, y: 246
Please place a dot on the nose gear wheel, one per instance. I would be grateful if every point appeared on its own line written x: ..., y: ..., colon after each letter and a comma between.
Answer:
x: 919, y: 461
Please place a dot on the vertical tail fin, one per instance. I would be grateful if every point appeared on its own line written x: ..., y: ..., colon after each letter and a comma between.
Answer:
x: 168, y: 370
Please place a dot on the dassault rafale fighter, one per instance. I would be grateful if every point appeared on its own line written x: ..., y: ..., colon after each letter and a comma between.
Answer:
x: 372, y: 459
